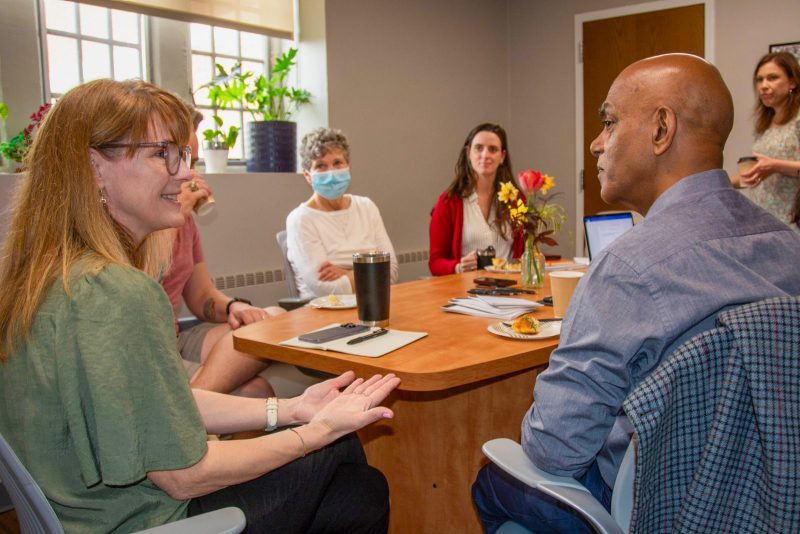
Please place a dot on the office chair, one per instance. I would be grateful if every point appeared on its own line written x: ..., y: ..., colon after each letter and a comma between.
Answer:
x: 293, y: 301
x: 36, y: 516
x: 509, y: 456
x: 716, y: 426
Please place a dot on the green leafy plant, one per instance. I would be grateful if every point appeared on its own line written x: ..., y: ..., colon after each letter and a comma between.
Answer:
x: 270, y: 98
x: 225, y: 90
x: 16, y: 148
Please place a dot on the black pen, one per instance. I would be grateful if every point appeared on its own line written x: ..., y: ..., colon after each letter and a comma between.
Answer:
x: 376, y: 333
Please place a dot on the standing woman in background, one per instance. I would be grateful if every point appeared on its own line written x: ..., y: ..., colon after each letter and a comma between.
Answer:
x: 468, y: 216
x: 773, y: 182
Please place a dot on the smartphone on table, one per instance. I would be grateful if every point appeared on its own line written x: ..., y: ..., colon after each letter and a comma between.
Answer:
x: 494, y: 282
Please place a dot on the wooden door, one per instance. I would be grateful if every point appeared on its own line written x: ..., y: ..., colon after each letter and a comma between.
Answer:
x: 610, y: 45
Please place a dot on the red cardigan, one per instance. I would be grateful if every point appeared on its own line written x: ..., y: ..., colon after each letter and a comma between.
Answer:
x: 447, y: 221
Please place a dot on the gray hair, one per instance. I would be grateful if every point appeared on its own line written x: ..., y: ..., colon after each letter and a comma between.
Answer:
x: 319, y: 142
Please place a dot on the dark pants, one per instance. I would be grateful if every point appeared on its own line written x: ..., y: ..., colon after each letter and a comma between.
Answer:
x: 499, y: 497
x: 330, y: 490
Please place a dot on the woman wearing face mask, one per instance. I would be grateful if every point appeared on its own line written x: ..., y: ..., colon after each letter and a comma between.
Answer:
x: 468, y: 216
x: 773, y: 182
x: 323, y: 233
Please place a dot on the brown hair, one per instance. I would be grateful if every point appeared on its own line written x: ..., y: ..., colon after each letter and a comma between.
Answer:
x: 57, y: 217
x: 465, y: 181
x: 765, y: 115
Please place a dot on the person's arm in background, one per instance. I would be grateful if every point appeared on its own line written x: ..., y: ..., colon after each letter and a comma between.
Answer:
x: 382, y: 239
x: 766, y: 167
x: 203, y: 299
x: 441, y: 230
x: 310, y: 261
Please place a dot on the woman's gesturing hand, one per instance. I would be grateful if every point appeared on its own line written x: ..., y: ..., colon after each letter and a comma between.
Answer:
x: 358, y: 405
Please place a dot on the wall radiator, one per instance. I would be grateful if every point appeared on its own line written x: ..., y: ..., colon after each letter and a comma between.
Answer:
x: 255, y: 278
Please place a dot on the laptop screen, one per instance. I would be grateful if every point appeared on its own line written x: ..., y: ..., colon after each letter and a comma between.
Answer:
x: 603, y: 229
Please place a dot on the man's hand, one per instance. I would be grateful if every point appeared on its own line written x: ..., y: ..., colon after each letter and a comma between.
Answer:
x: 242, y: 313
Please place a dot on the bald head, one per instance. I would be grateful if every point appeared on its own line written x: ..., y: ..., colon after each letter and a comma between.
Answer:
x: 693, y: 88
x: 665, y: 118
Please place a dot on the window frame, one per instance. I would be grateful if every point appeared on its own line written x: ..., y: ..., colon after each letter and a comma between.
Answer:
x: 143, y: 47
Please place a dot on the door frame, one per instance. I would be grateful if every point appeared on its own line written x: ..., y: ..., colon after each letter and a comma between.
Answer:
x: 580, y: 18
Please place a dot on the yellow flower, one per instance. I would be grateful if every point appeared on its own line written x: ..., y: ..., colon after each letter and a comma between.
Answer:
x: 508, y: 193
x: 549, y: 182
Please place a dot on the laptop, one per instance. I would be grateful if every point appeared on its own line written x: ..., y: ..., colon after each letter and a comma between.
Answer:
x: 600, y: 230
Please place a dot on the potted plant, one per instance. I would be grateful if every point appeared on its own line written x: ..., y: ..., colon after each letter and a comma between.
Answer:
x: 224, y: 91
x: 16, y: 148
x: 272, y: 140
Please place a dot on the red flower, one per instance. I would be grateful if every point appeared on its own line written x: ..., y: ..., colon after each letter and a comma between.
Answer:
x: 531, y: 181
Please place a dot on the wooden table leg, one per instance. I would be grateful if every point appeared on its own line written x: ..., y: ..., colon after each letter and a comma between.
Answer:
x: 431, y: 452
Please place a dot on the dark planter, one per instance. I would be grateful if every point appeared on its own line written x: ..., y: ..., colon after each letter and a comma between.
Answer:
x: 271, y: 146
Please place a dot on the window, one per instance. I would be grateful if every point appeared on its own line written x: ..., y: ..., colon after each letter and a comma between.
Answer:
x: 213, y: 44
x: 83, y: 42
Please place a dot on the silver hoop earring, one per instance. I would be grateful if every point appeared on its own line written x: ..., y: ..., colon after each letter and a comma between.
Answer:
x: 103, y: 199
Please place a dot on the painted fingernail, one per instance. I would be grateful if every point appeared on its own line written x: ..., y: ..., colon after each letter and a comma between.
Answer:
x: 387, y: 415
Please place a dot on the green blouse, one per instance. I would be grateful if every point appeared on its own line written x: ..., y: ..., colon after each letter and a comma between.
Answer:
x: 97, y: 397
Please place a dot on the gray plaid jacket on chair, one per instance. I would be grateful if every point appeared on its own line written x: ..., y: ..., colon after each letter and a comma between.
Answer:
x: 718, y: 427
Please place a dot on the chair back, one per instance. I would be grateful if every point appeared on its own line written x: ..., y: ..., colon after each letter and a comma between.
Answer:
x: 34, y: 513
x: 288, y: 272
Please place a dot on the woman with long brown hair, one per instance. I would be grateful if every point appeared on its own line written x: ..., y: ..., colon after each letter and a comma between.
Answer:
x: 94, y: 398
x: 468, y: 216
x: 774, y: 181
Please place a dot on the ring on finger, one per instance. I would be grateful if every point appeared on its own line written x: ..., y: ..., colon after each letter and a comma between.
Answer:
x: 193, y: 187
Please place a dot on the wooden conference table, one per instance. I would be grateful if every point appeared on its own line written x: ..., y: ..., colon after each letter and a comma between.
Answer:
x: 461, y: 386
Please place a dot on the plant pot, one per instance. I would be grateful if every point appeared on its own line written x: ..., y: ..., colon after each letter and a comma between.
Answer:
x: 271, y: 146
x: 215, y: 156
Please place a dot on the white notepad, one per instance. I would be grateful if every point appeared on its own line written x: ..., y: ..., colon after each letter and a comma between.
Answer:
x: 371, y: 348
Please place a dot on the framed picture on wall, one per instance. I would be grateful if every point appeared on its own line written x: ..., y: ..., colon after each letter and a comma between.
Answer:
x: 792, y: 48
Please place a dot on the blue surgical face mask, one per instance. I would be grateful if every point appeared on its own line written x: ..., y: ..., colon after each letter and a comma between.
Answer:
x: 331, y: 184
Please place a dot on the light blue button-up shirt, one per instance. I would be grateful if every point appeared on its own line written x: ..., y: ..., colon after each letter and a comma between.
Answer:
x: 702, y: 247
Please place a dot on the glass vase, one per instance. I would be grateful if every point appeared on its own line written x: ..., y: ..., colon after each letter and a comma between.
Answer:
x: 532, y: 265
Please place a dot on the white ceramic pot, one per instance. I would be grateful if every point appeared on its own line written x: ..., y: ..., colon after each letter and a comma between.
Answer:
x: 216, y: 160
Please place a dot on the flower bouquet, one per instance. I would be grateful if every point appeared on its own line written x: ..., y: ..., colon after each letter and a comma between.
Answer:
x: 536, y: 217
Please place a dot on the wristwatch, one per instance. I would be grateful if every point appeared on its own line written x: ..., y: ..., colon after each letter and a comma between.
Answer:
x: 272, y: 414
x: 235, y: 299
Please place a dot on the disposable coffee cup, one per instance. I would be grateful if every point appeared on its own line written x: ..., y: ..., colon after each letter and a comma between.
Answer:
x: 562, y: 284
x: 205, y: 205
x: 372, y: 275
x: 745, y: 164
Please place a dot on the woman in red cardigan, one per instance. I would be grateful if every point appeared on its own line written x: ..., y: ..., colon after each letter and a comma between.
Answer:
x: 468, y: 216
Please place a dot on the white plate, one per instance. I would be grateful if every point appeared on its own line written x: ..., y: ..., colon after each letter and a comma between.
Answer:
x: 493, y: 269
x: 549, y: 329
x: 345, y: 302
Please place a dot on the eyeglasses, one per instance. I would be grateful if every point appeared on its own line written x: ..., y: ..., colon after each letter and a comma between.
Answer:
x: 173, y: 154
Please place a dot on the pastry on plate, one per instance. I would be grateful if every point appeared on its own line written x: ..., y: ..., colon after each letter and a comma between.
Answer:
x: 526, y: 324
x: 498, y: 263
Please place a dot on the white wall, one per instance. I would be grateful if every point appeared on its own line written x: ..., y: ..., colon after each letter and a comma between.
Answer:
x: 407, y: 81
